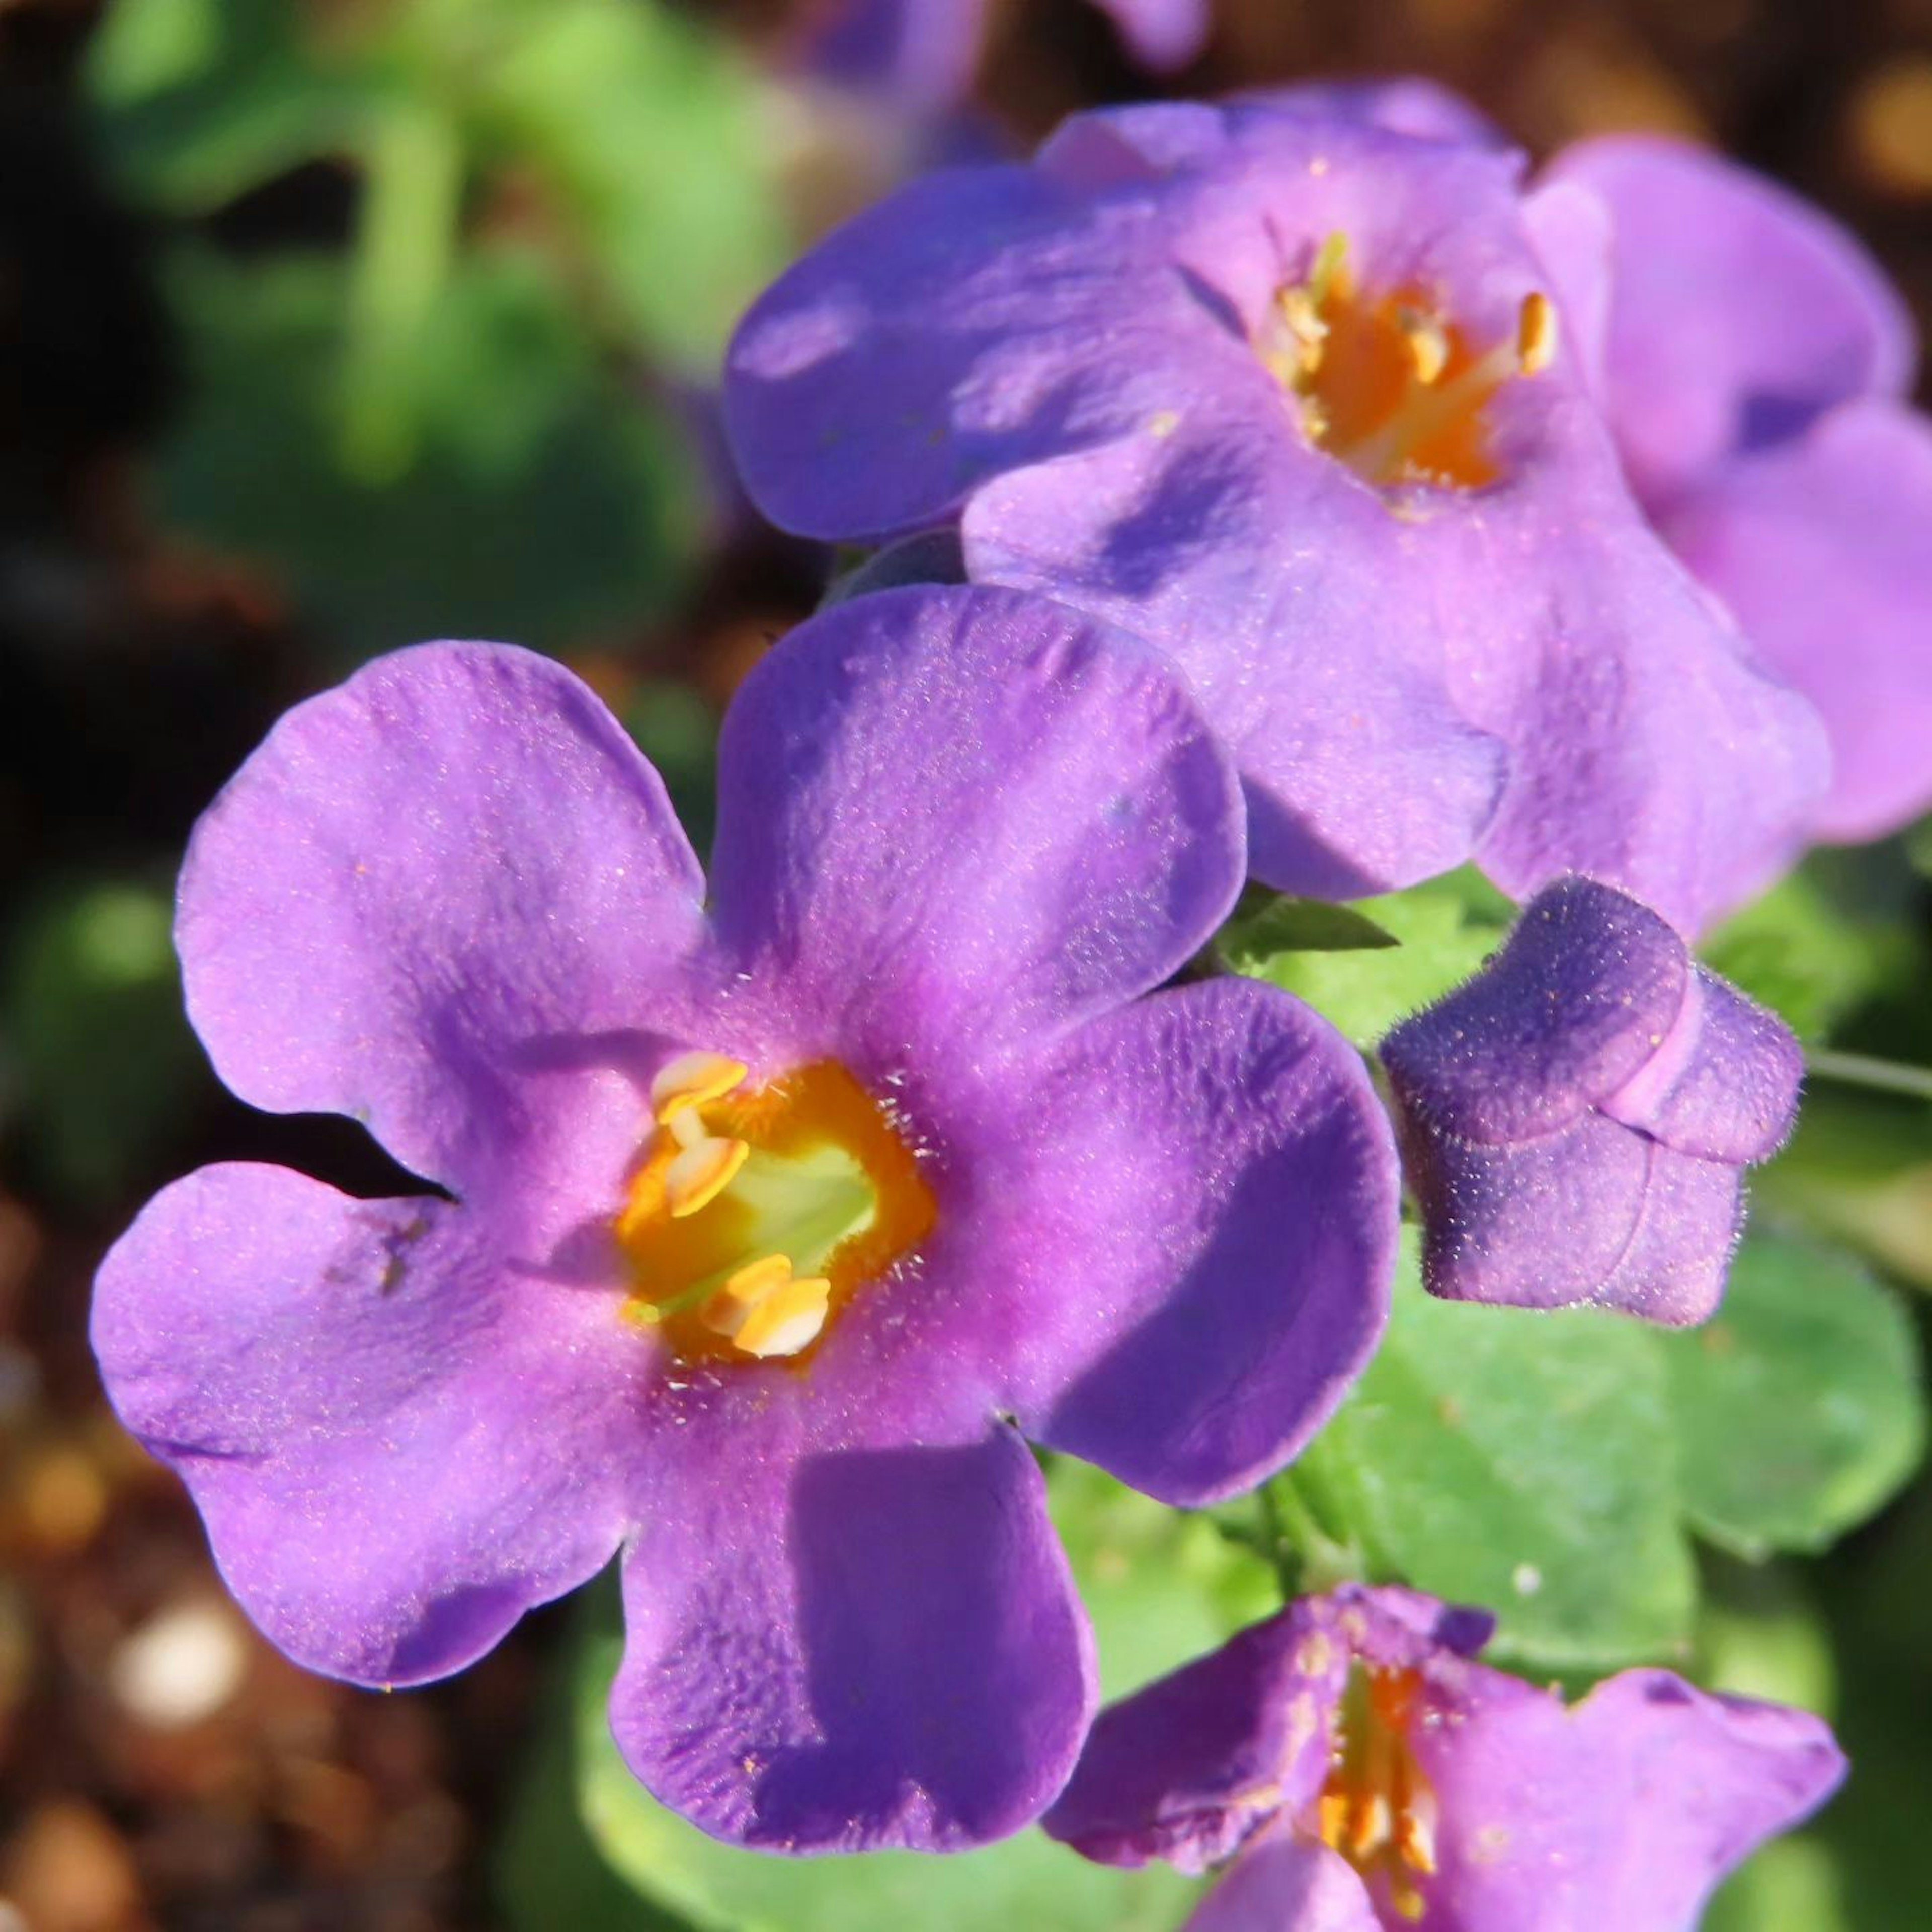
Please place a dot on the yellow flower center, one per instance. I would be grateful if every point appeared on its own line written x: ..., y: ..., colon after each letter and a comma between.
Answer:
x: 1389, y: 385
x: 754, y: 1217
x: 1376, y: 1808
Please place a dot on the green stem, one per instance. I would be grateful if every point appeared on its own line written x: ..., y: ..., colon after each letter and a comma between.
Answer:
x: 1860, y: 1069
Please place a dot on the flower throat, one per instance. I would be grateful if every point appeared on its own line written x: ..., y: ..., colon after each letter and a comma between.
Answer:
x: 754, y: 1217
x: 1389, y: 385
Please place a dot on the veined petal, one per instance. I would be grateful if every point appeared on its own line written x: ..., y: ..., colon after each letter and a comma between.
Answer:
x: 420, y: 882
x: 855, y: 1649
x: 400, y: 1439
x: 954, y: 822
x: 1185, y: 1240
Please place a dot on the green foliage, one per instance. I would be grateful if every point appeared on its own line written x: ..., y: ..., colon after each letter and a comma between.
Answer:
x: 1519, y: 1460
x: 91, y: 1015
x: 543, y: 499
x: 1368, y: 966
x: 1799, y: 954
x: 1161, y: 1588
x: 1798, y: 1410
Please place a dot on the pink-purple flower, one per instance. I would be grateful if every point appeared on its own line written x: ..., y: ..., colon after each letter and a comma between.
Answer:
x: 1300, y: 399
x: 1756, y: 366
x: 1362, y: 1771
x: 1577, y: 1118
x: 777, y: 1211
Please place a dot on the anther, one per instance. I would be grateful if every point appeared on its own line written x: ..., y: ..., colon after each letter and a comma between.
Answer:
x: 1428, y: 344
x: 701, y: 1171
x: 1536, y: 333
x: 763, y: 1312
x: 693, y: 1079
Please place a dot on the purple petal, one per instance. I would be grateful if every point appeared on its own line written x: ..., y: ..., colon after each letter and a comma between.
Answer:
x: 1187, y: 1769
x: 1587, y: 987
x: 924, y: 52
x: 1283, y: 1882
x: 1740, y: 311
x: 1571, y: 228
x: 1360, y: 774
x: 400, y: 1438
x: 1723, y: 1082
x: 1407, y: 104
x: 1161, y: 34
x: 855, y: 1649
x: 418, y: 879
x: 1626, y: 1811
x: 953, y: 821
x: 1648, y: 747
x: 1820, y: 544
x: 937, y: 340
x: 1187, y: 1221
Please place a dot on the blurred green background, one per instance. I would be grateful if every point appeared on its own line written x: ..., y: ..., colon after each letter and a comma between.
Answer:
x: 326, y: 326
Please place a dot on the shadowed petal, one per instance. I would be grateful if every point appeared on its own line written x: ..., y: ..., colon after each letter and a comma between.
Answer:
x: 420, y: 877
x: 1820, y: 546
x: 1188, y: 1235
x: 855, y: 1649
x: 953, y: 821
x: 398, y: 1448
x: 1740, y: 311
x: 1282, y: 1882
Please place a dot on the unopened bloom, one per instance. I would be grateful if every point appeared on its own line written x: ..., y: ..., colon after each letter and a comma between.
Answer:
x: 767, y: 1213
x: 1577, y: 1118
x: 1756, y: 366
x: 1295, y: 397
x: 1362, y: 1772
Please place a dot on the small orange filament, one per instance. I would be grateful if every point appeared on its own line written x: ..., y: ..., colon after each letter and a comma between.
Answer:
x: 1390, y: 386
x: 1376, y: 1808
x: 754, y: 1217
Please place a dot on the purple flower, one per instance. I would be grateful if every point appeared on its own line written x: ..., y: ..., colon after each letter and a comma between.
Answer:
x: 1577, y: 1117
x: 1754, y: 369
x: 772, y: 1213
x: 1364, y: 1773
x: 1293, y: 396
x: 926, y: 52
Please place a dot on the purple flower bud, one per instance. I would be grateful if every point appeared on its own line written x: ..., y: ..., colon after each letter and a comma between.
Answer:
x: 771, y: 1204
x: 1576, y: 1118
x: 1364, y: 1774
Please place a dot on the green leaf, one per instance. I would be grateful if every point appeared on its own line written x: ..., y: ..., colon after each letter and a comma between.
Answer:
x: 104, y: 1063
x: 1431, y: 938
x: 544, y: 500
x: 1522, y: 1461
x: 1798, y: 1409
x: 650, y: 135
x: 1804, y: 957
x: 1282, y: 923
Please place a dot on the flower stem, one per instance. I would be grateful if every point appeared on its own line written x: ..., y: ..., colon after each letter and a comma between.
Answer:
x: 1861, y: 1069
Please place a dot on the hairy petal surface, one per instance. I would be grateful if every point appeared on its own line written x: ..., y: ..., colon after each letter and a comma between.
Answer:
x: 1741, y: 312
x: 1185, y: 1223
x: 419, y: 880
x: 849, y: 1649
x: 953, y: 823
x: 400, y: 1437
x: 1820, y: 544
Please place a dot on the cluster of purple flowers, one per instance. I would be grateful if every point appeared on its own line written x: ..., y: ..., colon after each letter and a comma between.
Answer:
x: 1327, y: 506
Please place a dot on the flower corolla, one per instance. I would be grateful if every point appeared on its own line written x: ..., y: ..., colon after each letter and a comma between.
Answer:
x: 1364, y: 1774
x: 1299, y: 398
x: 773, y: 1223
